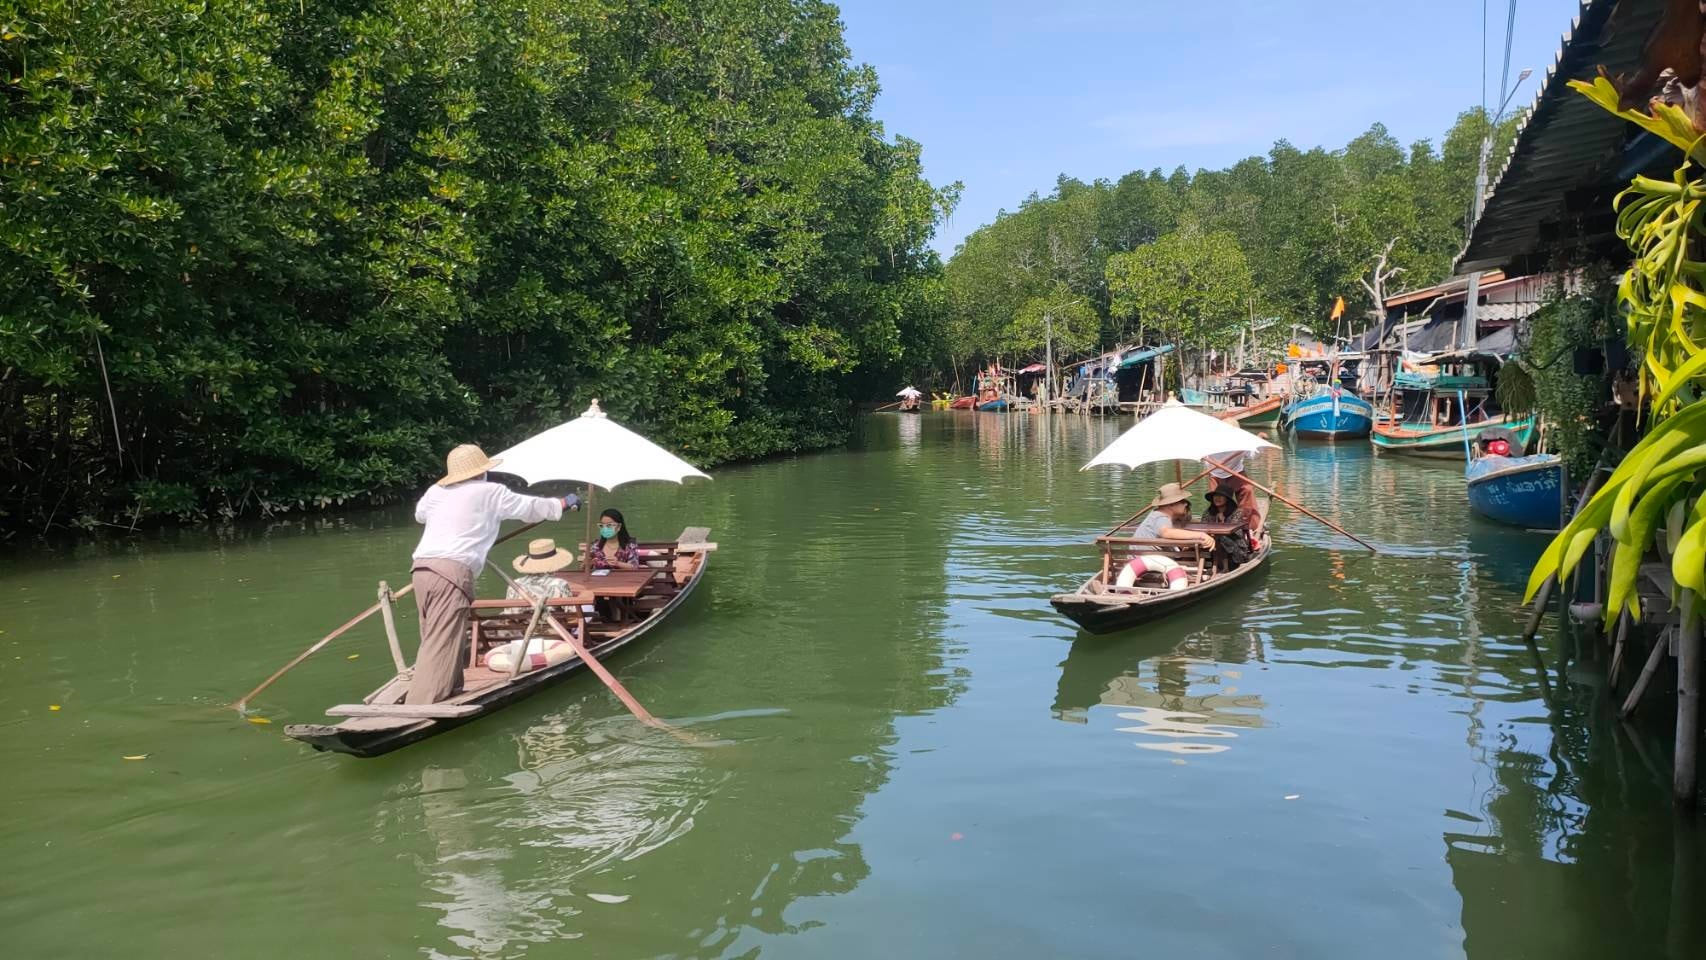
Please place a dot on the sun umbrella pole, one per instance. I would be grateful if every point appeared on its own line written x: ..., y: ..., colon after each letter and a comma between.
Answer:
x: 1284, y: 499
x: 586, y: 554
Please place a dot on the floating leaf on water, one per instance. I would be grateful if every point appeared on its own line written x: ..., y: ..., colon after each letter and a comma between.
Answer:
x: 54, y: 707
x: 137, y: 756
x: 117, y: 575
x: 1293, y: 796
x: 353, y: 656
x: 260, y: 720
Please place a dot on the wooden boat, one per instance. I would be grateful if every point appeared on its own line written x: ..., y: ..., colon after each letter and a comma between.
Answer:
x: 963, y: 403
x: 1335, y: 414
x: 1256, y: 413
x: 1530, y: 492
x: 382, y: 722
x: 1445, y: 442
x: 1100, y: 605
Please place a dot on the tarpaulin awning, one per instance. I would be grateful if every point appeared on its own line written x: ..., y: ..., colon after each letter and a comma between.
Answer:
x: 1144, y: 355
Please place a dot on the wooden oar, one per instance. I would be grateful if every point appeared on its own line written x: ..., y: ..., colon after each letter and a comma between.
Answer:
x: 1284, y: 499
x: 242, y: 704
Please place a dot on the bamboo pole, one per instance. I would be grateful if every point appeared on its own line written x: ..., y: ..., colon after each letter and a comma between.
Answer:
x: 1284, y: 499
x: 243, y: 702
x: 1623, y: 621
x: 391, y: 626
x: 1688, y: 671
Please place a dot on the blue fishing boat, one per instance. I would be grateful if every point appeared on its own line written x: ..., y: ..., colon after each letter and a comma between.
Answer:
x: 1530, y: 492
x: 998, y: 404
x: 1332, y: 414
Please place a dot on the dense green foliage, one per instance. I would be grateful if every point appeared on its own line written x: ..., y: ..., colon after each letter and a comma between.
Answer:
x: 1188, y: 256
x: 259, y: 254
x: 1568, y: 403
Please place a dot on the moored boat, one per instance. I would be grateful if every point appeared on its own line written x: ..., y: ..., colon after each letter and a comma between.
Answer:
x: 1256, y: 413
x: 1529, y: 492
x: 1333, y: 414
x: 1446, y: 442
x: 963, y: 403
x: 638, y: 600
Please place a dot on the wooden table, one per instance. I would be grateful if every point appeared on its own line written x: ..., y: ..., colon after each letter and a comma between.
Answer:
x: 621, y: 587
x: 1215, y: 529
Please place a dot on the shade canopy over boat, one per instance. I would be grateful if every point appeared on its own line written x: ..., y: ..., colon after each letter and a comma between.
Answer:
x: 594, y: 449
x: 910, y: 392
x: 1176, y: 432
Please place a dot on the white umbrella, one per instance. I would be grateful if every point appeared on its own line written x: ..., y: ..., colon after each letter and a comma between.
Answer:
x: 597, y: 451
x: 1176, y: 432
x: 910, y: 392
x: 594, y: 449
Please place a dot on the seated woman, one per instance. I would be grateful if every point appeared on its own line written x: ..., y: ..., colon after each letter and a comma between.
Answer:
x: 1168, y: 513
x: 538, y: 580
x: 1234, y: 548
x: 615, y: 548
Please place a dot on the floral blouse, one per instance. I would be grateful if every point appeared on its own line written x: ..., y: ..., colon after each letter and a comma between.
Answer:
x: 628, y: 554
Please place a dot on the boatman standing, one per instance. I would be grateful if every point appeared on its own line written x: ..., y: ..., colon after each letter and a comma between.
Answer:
x: 462, y: 513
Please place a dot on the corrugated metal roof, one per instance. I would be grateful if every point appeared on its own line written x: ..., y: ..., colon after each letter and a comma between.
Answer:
x: 1563, y: 168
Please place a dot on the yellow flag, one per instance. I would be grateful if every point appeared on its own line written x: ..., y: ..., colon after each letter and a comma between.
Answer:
x: 1338, y: 308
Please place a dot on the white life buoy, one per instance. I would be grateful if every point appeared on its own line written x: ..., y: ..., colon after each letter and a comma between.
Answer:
x: 542, y: 652
x: 1174, y: 574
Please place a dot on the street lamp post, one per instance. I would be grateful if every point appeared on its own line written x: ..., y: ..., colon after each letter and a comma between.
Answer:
x: 1472, y: 296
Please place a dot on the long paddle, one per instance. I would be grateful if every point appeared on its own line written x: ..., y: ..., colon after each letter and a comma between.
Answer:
x: 242, y: 704
x: 1284, y: 499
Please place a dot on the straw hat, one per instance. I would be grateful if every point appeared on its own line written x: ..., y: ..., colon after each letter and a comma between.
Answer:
x: 542, y: 556
x: 1170, y: 493
x: 465, y: 463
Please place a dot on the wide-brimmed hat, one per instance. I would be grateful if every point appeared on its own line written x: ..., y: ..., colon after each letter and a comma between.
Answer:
x: 1170, y: 493
x: 1208, y: 497
x: 465, y: 463
x: 542, y: 556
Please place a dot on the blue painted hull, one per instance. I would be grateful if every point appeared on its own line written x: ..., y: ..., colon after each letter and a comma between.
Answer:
x: 1527, y: 492
x: 1317, y: 417
x: 993, y: 405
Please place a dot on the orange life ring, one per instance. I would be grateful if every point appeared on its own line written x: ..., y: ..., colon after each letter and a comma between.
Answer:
x: 1174, y: 574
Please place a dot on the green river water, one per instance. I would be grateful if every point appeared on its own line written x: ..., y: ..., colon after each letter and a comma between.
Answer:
x: 909, y: 754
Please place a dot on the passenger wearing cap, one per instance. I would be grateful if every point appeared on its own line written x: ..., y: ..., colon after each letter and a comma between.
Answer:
x: 1170, y: 509
x: 462, y: 513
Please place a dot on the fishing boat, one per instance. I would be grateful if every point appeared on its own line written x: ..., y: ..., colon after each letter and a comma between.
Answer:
x: 1264, y: 412
x: 966, y: 402
x: 1442, y: 416
x: 639, y: 602
x: 1529, y: 492
x: 1335, y: 413
x: 1140, y: 579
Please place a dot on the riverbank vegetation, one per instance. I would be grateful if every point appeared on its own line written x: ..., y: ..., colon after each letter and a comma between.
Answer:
x: 264, y: 255
x: 1192, y: 257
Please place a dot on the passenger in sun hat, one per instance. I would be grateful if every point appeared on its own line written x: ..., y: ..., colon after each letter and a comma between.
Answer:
x: 1167, y: 512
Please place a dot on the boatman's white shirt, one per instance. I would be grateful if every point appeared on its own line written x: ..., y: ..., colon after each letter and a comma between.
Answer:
x: 462, y: 519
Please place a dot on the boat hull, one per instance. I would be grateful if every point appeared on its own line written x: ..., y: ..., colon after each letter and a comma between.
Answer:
x: 374, y: 741
x: 1528, y: 492
x: 1109, y: 613
x: 1262, y: 413
x: 963, y: 403
x: 1325, y: 417
x: 993, y: 406
x: 1443, y: 443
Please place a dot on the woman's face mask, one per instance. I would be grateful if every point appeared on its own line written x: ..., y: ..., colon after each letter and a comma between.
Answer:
x: 607, y: 530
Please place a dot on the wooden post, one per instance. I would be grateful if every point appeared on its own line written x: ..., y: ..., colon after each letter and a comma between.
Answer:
x: 1541, y: 598
x: 391, y: 626
x: 1623, y: 621
x: 1687, y: 710
x: 1653, y: 659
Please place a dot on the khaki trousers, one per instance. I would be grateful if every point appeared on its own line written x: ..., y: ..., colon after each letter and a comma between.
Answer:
x: 444, y: 590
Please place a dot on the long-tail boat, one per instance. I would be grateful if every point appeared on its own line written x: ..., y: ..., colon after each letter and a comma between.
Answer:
x: 636, y: 603
x: 1335, y: 413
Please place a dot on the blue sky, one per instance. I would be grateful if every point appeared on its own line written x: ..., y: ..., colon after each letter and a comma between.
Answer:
x: 1006, y: 95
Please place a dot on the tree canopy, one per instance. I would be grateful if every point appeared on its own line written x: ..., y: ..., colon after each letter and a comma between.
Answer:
x: 1185, y: 255
x: 256, y: 254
